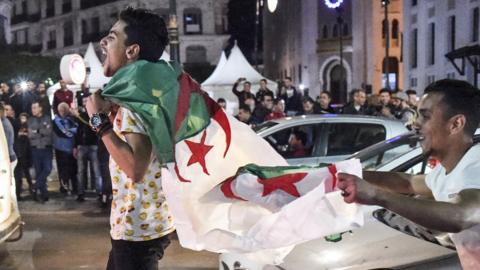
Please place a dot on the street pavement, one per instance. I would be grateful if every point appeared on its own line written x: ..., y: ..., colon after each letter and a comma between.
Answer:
x: 64, y: 234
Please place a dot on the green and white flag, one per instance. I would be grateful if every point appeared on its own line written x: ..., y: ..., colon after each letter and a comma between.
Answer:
x: 228, y: 189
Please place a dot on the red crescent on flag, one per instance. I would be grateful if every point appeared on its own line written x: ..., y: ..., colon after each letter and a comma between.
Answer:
x: 187, y: 86
x: 333, y: 171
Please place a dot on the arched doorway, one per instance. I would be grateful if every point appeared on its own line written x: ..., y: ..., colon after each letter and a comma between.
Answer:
x: 338, y: 84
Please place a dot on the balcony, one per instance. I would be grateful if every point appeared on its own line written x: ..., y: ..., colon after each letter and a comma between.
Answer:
x: 52, y: 44
x: 19, y: 18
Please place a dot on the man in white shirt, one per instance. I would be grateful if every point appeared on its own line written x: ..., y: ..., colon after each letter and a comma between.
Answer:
x: 449, y: 114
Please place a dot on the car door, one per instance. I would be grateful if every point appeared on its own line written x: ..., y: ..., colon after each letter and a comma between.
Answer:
x: 5, y: 178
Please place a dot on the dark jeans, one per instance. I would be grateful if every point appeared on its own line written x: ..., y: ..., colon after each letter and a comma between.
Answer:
x: 42, y: 162
x: 67, y: 170
x: 103, y: 160
x: 89, y: 151
x: 137, y: 255
x: 21, y: 170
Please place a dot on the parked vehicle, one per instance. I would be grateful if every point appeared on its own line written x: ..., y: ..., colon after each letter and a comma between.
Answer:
x: 330, y: 137
x: 10, y: 221
x: 386, y: 240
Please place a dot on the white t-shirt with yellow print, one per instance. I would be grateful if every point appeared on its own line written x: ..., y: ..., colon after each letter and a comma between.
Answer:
x: 139, y: 210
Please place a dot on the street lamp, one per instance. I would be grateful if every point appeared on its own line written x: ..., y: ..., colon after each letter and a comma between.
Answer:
x: 173, y: 32
x: 386, y: 29
x: 337, y: 5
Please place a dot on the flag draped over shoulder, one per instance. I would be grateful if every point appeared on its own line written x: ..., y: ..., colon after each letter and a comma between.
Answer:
x: 228, y: 189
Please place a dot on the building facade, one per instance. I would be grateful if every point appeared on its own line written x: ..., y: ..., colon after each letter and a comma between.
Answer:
x: 309, y: 50
x: 59, y: 27
x: 434, y: 28
x: 5, y: 13
x: 301, y: 41
x: 370, y: 42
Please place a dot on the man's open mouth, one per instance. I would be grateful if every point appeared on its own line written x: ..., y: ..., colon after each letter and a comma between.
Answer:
x: 103, y: 56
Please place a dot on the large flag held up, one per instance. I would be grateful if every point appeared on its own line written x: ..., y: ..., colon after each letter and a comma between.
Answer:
x: 228, y: 189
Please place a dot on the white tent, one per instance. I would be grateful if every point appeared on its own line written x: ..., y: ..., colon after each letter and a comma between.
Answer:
x: 95, y: 79
x: 220, y: 83
x: 216, y: 74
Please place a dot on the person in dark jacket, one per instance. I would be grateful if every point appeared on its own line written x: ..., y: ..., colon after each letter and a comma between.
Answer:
x: 24, y: 155
x: 64, y: 130
x: 358, y: 104
x: 245, y: 93
x: 292, y: 97
x: 324, y: 100
x: 262, y: 91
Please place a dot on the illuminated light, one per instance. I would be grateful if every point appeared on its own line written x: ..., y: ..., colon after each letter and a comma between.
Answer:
x: 272, y: 5
x: 333, y: 3
x: 24, y: 85
x: 301, y: 86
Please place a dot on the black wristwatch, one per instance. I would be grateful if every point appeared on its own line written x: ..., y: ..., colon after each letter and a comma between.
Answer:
x: 98, y: 120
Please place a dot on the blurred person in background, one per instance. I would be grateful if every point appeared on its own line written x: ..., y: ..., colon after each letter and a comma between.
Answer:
x: 42, y: 98
x: 10, y: 136
x: 291, y: 96
x: 22, y: 98
x: 245, y: 93
x: 358, y: 104
x: 278, y: 110
x: 412, y: 98
x: 5, y: 93
x: 62, y: 95
x: 64, y: 130
x: 262, y: 91
x: 245, y: 115
x: 263, y: 109
x: 40, y: 135
x: 24, y: 156
x: 309, y: 106
x: 223, y: 103
x: 324, y: 101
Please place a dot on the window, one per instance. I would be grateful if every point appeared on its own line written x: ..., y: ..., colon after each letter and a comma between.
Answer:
x: 95, y: 25
x: 413, y: 82
x: 430, y: 79
x: 281, y: 141
x: 335, y: 31
x: 348, y: 138
x: 431, y: 44
x: 451, y: 33
x: 414, y: 3
x: 20, y: 37
x: 325, y: 32
x: 384, y: 28
x: 475, y: 21
x: 192, y: 21
x: 50, y: 12
x: 196, y: 54
x: 345, y: 30
x: 395, y: 29
x: 413, y: 47
x: 68, y: 34
x: 66, y: 6
x: 52, y: 40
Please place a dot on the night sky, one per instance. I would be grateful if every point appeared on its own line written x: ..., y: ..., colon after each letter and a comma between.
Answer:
x: 241, y: 18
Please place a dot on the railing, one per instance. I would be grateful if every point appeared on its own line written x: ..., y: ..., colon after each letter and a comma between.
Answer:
x: 50, y: 12
x: 34, y: 17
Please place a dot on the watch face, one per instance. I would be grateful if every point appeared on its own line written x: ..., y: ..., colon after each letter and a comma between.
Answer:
x: 96, y: 120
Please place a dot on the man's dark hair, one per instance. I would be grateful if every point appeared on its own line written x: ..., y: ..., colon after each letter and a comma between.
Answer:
x: 288, y: 78
x: 301, y: 136
x: 385, y: 90
x: 264, y: 80
x: 247, y: 82
x: 221, y: 100
x: 459, y: 97
x: 307, y: 99
x: 146, y: 29
x: 411, y: 92
x: 327, y: 93
x: 245, y: 108
x: 267, y: 95
x: 36, y: 101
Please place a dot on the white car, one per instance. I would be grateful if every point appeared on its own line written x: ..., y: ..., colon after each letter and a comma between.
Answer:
x: 386, y: 240
x: 10, y: 221
x: 330, y: 137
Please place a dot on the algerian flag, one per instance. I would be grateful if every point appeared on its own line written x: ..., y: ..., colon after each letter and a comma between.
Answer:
x: 228, y: 189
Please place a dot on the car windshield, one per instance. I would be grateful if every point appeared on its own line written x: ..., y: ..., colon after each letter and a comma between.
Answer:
x: 264, y: 126
x: 384, y: 152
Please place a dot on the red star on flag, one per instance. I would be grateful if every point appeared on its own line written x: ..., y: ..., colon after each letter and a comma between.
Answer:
x: 283, y: 182
x: 199, y: 151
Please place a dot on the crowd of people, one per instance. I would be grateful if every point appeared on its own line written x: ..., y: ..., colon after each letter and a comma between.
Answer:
x: 266, y: 104
x: 40, y: 132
